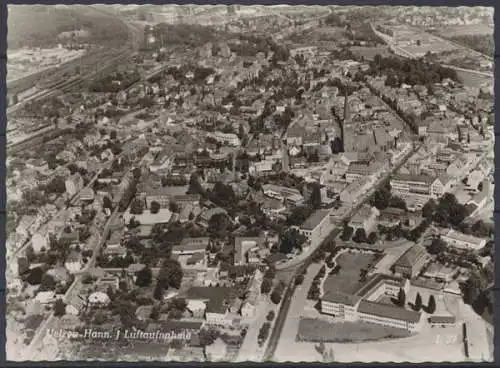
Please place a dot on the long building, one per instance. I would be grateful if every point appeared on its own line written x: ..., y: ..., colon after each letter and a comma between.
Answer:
x: 363, y: 305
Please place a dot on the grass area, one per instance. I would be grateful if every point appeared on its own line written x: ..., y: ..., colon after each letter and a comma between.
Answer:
x: 347, y: 280
x: 316, y: 330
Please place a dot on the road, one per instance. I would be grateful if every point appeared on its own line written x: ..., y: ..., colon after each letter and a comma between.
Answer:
x: 283, y: 312
x: 296, y: 306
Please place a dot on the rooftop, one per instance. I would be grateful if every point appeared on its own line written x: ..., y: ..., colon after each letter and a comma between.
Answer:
x: 411, y: 256
x: 388, y: 311
x: 315, y: 219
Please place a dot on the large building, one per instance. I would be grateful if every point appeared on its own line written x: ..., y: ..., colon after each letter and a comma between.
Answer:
x: 420, y: 185
x: 363, y: 305
x: 290, y: 195
x: 412, y: 261
x: 316, y: 226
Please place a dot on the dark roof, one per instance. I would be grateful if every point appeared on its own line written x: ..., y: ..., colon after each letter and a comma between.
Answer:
x: 216, y: 297
x: 442, y: 319
x: 388, y: 311
x: 314, y: 220
x: 411, y: 256
x: 341, y: 298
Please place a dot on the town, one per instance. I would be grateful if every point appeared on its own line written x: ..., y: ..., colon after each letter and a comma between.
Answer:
x: 253, y: 183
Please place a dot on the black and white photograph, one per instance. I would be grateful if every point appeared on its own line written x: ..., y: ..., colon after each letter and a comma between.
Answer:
x: 250, y: 183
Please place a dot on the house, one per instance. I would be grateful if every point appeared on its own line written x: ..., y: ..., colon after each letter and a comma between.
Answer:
x: 243, y: 245
x: 226, y: 138
x: 196, y: 308
x: 412, y: 261
x: 316, y: 226
x: 74, y: 184
x: 391, y: 216
x: 98, y: 299
x: 354, y: 190
x: 365, y: 218
x: 209, y: 213
x: 74, y: 262
x: 217, y: 351
x: 191, y: 246
x: 45, y: 297
x: 143, y: 312
x: 40, y: 242
x: 217, y: 300
x: 87, y: 194
x: 462, y: 241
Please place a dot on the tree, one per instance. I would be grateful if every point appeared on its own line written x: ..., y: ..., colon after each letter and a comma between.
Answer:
x: 418, y: 302
x: 290, y: 240
x: 431, y: 305
x: 155, y: 207
x: 170, y: 274
x: 136, y: 207
x: 437, y: 246
x: 363, y: 274
x: 207, y: 336
x: 381, y: 197
x: 59, y: 308
x: 360, y: 235
x: 299, y: 280
x: 347, y: 233
x: 372, y: 238
x: 158, y: 292
x: 107, y: 203
x: 173, y: 207
x: 144, y: 277
x: 270, y: 316
x: 429, y: 208
x: 276, y: 296
x: 47, y: 283
x: 315, y: 198
x: 136, y: 173
x: 266, y: 285
x: 401, y: 297
x: 397, y: 202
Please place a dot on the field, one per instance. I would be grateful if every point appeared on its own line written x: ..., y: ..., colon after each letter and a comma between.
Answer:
x: 369, y: 52
x: 473, y: 80
x: 317, y: 330
x: 347, y: 280
x: 473, y: 29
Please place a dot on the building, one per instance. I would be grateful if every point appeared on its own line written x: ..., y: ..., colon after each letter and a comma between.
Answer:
x: 412, y: 261
x: 190, y: 246
x: 316, y: 227
x: 87, y: 194
x: 363, y: 305
x: 217, y: 300
x: 354, y: 190
x: 462, y: 241
x: 442, y: 321
x: 244, y: 245
x: 226, y: 138
x: 74, y: 184
x: 365, y: 218
x: 421, y: 185
x: 289, y: 195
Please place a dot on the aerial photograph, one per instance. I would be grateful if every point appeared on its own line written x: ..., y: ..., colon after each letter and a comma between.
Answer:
x: 234, y: 183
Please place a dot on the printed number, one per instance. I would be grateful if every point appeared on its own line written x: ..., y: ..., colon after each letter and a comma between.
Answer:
x: 446, y: 339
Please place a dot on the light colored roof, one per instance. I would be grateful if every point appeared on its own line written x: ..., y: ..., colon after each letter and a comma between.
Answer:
x: 411, y: 256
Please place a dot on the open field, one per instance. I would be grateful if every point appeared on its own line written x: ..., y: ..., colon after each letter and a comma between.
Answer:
x: 317, y: 330
x: 473, y: 29
x: 347, y: 280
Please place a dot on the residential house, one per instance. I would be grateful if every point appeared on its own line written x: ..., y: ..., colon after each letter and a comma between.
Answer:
x: 74, y: 262
x: 244, y: 245
x: 420, y: 185
x: 288, y: 195
x: 365, y: 218
x: 355, y: 190
x: 217, y: 300
x: 190, y: 246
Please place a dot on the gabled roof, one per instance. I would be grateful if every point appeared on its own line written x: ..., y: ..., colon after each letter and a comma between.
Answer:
x: 411, y: 256
x: 388, y: 311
